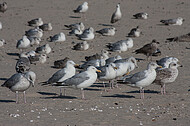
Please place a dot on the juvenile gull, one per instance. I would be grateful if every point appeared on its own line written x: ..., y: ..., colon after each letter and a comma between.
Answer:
x: 58, y: 37
x: 44, y: 49
x: 148, y: 49
x: 166, y: 75
x: 141, y: 79
x: 35, y: 22
x: 176, y: 21
x: 164, y: 62
x: 61, y: 63
x: 3, y: 7
x: 107, y: 31
x: 182, y: 38
x: 20, y: 83
x: 2, y: 42
x: 116, y: 16
x: 141, y: 15
x: 22, y: 65
x: 76, y: 26
x: 88, y: 34
x: 81, y: 80
x: 135, y: 32
x: 63, y: 74
x: 36, y: 32
x: 23, y: 43
x: 81, y: 46
x: 46, y: 27
x: 104, y: 55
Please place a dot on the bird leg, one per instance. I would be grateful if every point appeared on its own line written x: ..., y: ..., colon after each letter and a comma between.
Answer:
x: 164, y: 87
x: 17, y: 97
x: 64, y: 92
x: 82, y: 92
x: 161, y: 89
x: 24, y: 97
x: 142, y: 93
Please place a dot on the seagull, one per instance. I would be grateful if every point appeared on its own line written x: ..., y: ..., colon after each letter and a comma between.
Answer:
x: 20, y: 82
x: 141, y: 15
x: 76, y: 31
x: 135, y: 32
x: 107, y: 31
x: 141, y: 79
x: 44, y: 49
x: 108, y: 73
x: 67, y: 72
x: 116, y: 16
x: 166, y: 75
x: 23, y: 65
x: 113, y: 59
x: 148, y: 49
x: 88, y: 34
x: 23, y: 43
x: 36, y: 32
x: 2, y: 42
x: 119, y: 46
x: 61, y: 63
x: 3, y: 7
x: 82, y: 46
x: 164, y: 62
x: 104, y: 55
x: 35, y: 22
x: 82, y: 8
x: 176, y: 21
x: 58, y: 37
x: 182, y: 38
x: 46, y: 27
x: 95, y: 63
x: 81, y: 80
x: 42, y: 58
x: 76, y: 26
x: 34, y: 40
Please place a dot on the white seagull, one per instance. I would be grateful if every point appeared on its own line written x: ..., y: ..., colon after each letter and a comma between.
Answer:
x: 116, y: 16
x: 176, y: 21
x: 58, y: 37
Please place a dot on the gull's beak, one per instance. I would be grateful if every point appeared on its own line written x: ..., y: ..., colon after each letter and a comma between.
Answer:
x: 99, y: 71
x: 160, y: 66
x: 127, y: 73
x: 32, y: 84
x: 76, y: 65
x: 115, y: 68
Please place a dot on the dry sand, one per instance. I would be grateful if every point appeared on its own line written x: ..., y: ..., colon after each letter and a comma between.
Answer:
x: 122, y: 105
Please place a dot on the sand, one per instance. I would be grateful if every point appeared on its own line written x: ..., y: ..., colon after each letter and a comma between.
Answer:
x: 121, y: 106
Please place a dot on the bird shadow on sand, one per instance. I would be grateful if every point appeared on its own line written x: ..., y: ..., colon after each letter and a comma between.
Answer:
x: 61, y: 97
x: 106, y: 25
x: 47, y: 93
x: 145, y: 91
x: 189, y: 90
x: 13, y: 54
x: 74, y: 17
x: 119, y: 96
x: 92, y: 89
x: 162, y: 25
x: 6, y: 101
x: 4, y: 79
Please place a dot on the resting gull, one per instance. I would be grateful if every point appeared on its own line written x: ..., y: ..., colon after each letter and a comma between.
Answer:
x: 164, y: 62
x: 36, y: 32
x: 35, y: 22
x: 81, y: 46
x: 176, y: 21
x: 88, y: 34
x: 135, y: 32
x: 23, y: 43
x: 141, y: 79
x: 166, y: 75
x: 104, y: 55
x: 113, y: 59
x: 46, y: 27
x: 61, y: 63
x: 76, y: 31
x: 2, y: 42
x: 76, y: 26
x: 42, y: 58
x: 44, y: 49
x: 34, y: 40
x: 3, y: 7
x: 116, y: 16
x: 58, y: 37
x: 107, y: 31
x: 81, y: 80
x: 141, y: 15
x: 20, y: 82
x: 182, y: 38
x: 148, y: 49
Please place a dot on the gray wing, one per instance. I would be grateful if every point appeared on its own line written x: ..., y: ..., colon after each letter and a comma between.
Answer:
x: 114, y: 18
x: 12, y: 80
x: 55, y: 37
x: 77, y: 79
x: 136, y: 77
x: 103, y: 71
x: 56, y: 76
x: 120, y: 61
x: 34, y: 21
x: 79, y: 8
x: 102, y: 31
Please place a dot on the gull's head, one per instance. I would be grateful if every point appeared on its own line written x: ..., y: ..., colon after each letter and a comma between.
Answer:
x: 180, y: 18
x: 174, y: 65
x: 133, y: 60
x: 118, y: 5
x: 85, y: 3
x: 31, y: 77
x: 92, y: 68
x: 153, y: 65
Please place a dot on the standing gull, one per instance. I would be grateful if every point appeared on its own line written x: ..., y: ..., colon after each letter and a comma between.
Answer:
x: 81, y: 80
x: 81, y: 46
x: 141, y: 15
x: 35, y: 22
x: 20, y: 83
x: 176, y: 21
x: 141, y: 79
x: 148, y: 49
x: 166, y: 75
x: 107, y: 31
x: 82, y: 8
x: 116, y: 16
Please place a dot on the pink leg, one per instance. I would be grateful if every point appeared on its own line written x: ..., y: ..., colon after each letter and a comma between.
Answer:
x: 64, y: 92
x: 24, y: 96
x: 104, y: 86
x: 82, y: 92
x: 164, y: 89
x: 60, y: 92
x: 17, y: 97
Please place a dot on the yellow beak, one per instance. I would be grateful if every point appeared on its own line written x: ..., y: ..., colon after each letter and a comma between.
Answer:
x: 98, y: 70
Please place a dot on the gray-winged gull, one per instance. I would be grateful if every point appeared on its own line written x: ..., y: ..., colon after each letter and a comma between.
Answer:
x: 113, y: 59
x: 82, y: 8
x: 141, y: 79
x: 141, y: 15
x: 166, y: 75
x: 60, y: 37
x: 23, y: 43
x: 135, y: 32
x: 182, y: 38
x: 164, y: 62
x: 36, y: 32
x: 3, y: 7
x: 88, y: 34
x: 44, y: 49
x: 76, y: 31
x: 34, y: 40
x: 20, y: 83
x: 148, y: 49
x: 107, y: 31
x: 175, y: 21
x: 76, y: 26
x: 81, y: 46
x: 35, y: 22
x: 81, y: 80
x: 116, y: 16
x: 46, y: 27
x: 104, y: 54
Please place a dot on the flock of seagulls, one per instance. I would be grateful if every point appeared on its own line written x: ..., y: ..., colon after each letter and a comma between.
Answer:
x: 98, y: 66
